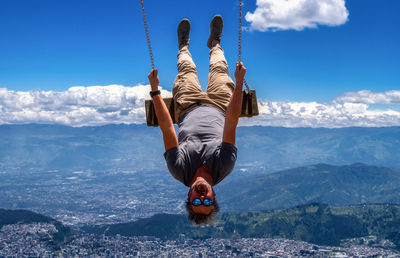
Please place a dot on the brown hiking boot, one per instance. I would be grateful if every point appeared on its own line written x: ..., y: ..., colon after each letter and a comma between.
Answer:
x: 215, y: 30
x: 183, y: 32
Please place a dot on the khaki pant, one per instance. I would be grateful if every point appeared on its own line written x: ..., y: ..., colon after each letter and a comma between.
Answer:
x: 187, y: 91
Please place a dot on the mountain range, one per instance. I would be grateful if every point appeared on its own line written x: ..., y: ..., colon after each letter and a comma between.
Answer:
x: 118, y: 171
x: 336, y: 185
x: 263, y: 150
x: 314, y: 223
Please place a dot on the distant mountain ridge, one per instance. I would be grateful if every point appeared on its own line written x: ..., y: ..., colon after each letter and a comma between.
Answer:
x: 313, y: 223
x: 261, y: 149
x: 335, y: 185
x: 278, y: 148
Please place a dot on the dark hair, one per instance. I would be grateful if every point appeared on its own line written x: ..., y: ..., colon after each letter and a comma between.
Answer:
x: 201, y: 219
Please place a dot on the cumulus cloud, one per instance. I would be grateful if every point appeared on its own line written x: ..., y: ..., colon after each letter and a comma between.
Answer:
x: 296, y: 14
x: 313, y: 114
x: 369, y: 97
x: 78, y: 106
x: 115, y: 104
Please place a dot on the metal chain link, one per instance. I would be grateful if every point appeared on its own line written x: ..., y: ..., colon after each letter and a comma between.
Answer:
x: 240, y: 32
x: 146, y: 28
x: 240, y: 41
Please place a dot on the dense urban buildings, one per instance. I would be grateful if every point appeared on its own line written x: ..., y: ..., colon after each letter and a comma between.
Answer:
x: 35, y: 240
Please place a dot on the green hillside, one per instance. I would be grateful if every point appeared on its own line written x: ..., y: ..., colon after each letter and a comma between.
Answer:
x: 63, y: 234
x: 314, y: 223
x: 335, y: 185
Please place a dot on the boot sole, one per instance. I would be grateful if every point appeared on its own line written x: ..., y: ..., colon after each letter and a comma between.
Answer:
x: 215, y: 24
x: 183, y: 29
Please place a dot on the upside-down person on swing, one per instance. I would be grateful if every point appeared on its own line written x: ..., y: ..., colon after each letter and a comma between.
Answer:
x: 205, y: 153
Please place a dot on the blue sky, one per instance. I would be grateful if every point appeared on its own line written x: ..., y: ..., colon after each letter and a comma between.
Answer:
x: 54, y: 45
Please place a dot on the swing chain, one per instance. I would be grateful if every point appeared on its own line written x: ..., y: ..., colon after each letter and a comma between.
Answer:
x: 147, y: 35
x: 240, y: 41
x: 240, y: 32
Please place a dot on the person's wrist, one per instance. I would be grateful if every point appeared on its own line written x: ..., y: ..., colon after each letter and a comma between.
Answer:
x: 154, y: 93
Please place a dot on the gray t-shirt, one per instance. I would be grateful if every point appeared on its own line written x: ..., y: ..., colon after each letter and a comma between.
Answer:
x: 200, y: 142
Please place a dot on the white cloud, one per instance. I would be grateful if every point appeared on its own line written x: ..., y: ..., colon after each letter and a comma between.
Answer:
x: 296, y: 14
x: 115, y: 104
x: 313, y: 114
x: 369, y: 97
x: 78, y: 106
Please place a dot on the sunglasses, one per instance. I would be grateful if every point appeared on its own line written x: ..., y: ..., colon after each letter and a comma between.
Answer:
x: 198, y: 202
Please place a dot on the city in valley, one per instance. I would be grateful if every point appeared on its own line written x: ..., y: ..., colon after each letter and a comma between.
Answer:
x: 32, y: 240
x: 87, y: 198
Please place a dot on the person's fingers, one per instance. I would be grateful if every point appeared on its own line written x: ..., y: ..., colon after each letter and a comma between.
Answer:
x: 153, y: 73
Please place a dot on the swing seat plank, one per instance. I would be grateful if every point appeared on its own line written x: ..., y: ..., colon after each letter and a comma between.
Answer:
x: 151, y: 117
x: 249, y: 108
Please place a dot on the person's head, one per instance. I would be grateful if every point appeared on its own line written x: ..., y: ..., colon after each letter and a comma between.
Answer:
x: 201, y: 204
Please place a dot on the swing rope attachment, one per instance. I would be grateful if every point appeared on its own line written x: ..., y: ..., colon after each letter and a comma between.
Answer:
x: 240, y: 41
x: 146, y: 28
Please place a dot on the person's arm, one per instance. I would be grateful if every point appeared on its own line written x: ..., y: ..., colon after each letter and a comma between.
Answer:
x: 162, y: 113
x: 235, y: 106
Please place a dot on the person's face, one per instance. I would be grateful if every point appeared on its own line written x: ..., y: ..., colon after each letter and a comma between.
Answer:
x: 201, y: 190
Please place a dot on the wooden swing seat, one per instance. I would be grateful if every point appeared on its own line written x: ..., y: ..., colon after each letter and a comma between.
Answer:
x: 249, y: 108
